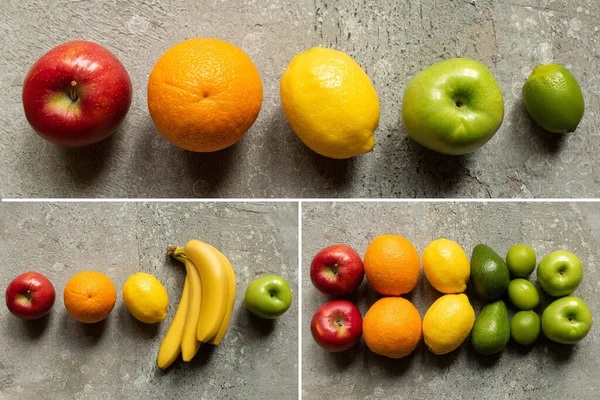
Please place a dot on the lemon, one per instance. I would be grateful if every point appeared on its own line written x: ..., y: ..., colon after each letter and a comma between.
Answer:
x: 446, y: 266
x: 553, y: 98
x: 145, y: 298
x: 447, y: 323
x: 330, y: 103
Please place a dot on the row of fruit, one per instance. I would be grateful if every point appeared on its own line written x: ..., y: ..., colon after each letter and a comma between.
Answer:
x: 203, y: 314
x: 204, y: 95
x: 392, y: 326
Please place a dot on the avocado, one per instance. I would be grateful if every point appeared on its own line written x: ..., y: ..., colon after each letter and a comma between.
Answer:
x: 489, y: 274
x: 491, y: 330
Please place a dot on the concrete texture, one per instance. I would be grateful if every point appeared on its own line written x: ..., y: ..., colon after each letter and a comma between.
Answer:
x: 392, y: 40
x: 544, y: 371
x: 58, y: 358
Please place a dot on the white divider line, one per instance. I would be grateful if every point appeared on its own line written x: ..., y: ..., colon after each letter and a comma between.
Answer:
x: 300, y: 200
x: 300, y: 300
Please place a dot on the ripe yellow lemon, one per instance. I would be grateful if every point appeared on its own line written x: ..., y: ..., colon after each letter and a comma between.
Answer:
x: 446, y: 266
x: 553, y: 98
x: 145, y: 298
x: 447, y: 323
x: 330, y: 103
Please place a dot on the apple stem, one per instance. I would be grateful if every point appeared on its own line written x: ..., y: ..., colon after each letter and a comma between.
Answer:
x: 72, y: 92
x: 28, y: 294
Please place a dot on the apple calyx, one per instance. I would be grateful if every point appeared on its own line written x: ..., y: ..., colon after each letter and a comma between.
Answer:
x: 72, y: 92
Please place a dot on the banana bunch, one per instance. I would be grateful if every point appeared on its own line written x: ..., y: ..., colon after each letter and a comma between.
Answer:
x: 206, y: 303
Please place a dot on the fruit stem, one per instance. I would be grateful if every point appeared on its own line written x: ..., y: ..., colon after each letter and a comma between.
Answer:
x: 72, y: 92
x: 176, y: 252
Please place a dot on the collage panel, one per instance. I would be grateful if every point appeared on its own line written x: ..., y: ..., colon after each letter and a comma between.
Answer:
x: 95, y: 305
x: 460, y: 300
x: 299, y: 99
x: 311, y: 199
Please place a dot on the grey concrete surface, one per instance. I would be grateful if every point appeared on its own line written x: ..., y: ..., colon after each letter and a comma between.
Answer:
x: 59, y: 358
x: 544, y: 371
x: 392, y: 40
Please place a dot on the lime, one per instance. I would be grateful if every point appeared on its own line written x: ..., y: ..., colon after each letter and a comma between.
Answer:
x: 145, y: 298
x: 525, y: 327
x: 523, y: 294
x: 553, y: 98
x: 520, y: 260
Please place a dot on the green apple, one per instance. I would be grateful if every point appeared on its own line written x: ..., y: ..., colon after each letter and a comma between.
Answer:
x: 525, y: 327
x: 559, y: 273
x: 523, y: 294
x: 566, y: 320
x: 453, y: 107
x: 520, y: 260
x: 268, y: 296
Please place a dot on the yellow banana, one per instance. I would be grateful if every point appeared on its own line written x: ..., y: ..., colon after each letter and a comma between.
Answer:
x: 232, y: 289
x: 170, y: 348
x: 215, y: 288
x: 189, y: 344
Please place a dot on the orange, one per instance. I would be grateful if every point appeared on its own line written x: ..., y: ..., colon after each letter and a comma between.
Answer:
x: 204, y: 94
x: 392, y: 327
x: 392, y: 265
x: 89, y: 296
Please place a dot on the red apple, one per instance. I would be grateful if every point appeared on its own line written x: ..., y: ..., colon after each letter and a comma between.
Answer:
x: 337, y: 270
x: 30, y: 295
x: 77, y: 94
x: 337, y: 325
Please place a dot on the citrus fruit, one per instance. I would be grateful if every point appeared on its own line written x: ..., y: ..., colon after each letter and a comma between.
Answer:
x: 525, y: 327
x: 392, y: 265
x: 520, y: 260
x: 523, y: 294
x: 330, y: 103
x: 553, y: 98
x: 392, y: 327
x: 448, y: 323
x: 204, y: 94
x: 446, y: 266
x: 145, y: 298
x: 89, y: 296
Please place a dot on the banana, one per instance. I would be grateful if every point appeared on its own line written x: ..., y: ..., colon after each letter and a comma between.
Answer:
x: 189, y: 344
x: 232, y: 289
x: 170, y: 348
x: 215, y: 288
